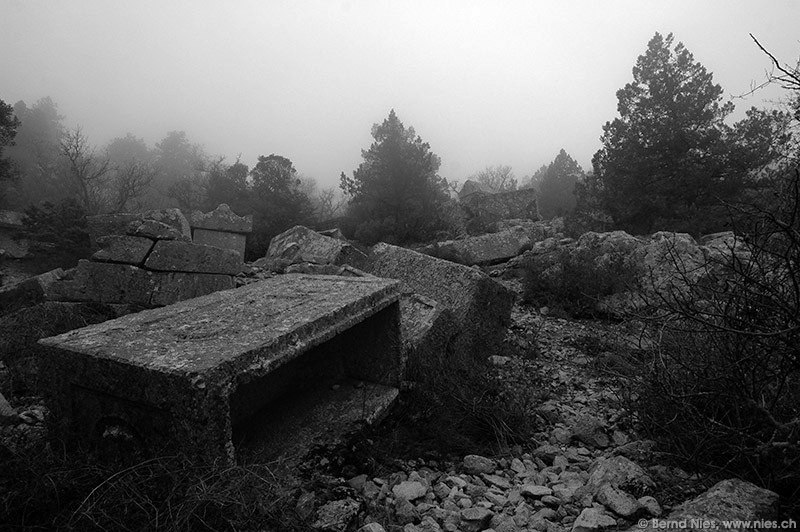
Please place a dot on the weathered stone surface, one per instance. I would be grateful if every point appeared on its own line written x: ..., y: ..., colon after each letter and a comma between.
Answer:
x: 590, y: 430
x: 155, y: 230
x: 173, y: 287
x: 28, y: 292
x: 532, y: 490
x: 477, y: 464
x: 475, y: 519
x: 621, y: 473
x: 617, y: 501
x: 222, y: 219
x: 409, y: 490
x: 106, y: 282
x: 490, y: 248
x: 172, y: 217
x: 592, y: 519
x: 216, y: 361
x: 176, y: 256
x: 220, y: 239
x: 123, y: 249
x: 301, y: 244
x: 118, y: 224
x: 480, y: 305
x: 727, y: 500
x: 426, y: 328
x: 371, y: 527
x: 108, y: 224
x: 336, y: 516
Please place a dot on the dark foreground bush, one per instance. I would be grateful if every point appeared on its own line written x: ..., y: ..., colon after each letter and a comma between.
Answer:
x: 723, y: 387
x: 49, y: 490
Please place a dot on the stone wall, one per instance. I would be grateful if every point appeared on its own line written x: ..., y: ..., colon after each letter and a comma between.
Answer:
x: 483, y: 208
x: 149, y: 259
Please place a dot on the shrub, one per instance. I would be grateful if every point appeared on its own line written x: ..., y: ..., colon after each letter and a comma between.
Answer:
x: 723, y: 388
x: 46, y: 489
x: 57, y: 229
x: 575, y: 281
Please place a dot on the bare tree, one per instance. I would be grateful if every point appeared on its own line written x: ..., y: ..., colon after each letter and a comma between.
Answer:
x: 499, y: 178
x: 328, y: 203
x: 86, y: 175
x: 131, y: 181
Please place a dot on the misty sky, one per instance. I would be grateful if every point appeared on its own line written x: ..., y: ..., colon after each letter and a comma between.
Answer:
x: 483, y: 82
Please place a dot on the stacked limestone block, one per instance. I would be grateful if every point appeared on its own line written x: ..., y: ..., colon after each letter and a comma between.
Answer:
x: 221, y: 228
x: 150, y: 261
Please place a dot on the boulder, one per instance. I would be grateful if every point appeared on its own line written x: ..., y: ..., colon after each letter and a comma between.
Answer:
x: 728, y: 500
x: 618, y: 501
x: 481, y: 307
x: 336, y: 515
x: 301, y: 244
x: 591, y: 519
x: 487, y: 249
x: 177, y: 256
x: 476, y: 464
x: 618, y: 472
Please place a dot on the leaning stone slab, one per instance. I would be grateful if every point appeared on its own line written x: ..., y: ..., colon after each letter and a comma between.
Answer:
x: 427, y: 327
x: 301, y: 244
x: 206, y: 375
x: 487, y: 249
x: 222, y: 219
x: 728, y: 500
x: 123, y: 249
x: 481, y: 306
x: 177, y: 256
x: 105, y: 282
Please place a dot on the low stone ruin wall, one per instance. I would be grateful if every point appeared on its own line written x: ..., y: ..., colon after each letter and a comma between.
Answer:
x: 150, y: 259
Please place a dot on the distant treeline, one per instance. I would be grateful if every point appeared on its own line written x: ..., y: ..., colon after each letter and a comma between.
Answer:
x: 671, y: 160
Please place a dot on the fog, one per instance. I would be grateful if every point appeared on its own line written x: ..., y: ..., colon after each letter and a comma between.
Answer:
x: 484, y: 83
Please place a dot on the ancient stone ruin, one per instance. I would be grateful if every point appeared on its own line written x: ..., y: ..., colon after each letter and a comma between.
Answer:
x: 151, y: 260
x: 483, y: 207
x: 318, y: 340
x: 215, y: 372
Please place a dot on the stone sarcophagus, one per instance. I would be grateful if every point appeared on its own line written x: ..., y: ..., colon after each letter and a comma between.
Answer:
x: 235, y: 372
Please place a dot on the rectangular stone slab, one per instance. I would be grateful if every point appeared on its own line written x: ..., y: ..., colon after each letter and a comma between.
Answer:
x: 184, y: 374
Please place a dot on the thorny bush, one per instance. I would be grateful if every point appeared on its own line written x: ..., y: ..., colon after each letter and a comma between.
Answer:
x: 723, y: 386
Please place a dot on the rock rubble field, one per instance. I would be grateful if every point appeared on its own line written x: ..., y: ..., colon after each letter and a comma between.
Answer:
x: 584, y: 470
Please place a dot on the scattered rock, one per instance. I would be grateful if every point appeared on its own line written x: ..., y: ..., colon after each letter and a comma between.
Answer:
x: 409, y: 490
x: 336, y: 516
x: 617, y: 501
x: 591, y: 519
x: 476, y: 464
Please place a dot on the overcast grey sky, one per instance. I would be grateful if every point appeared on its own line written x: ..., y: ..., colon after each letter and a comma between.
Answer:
x: 484, y: 82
